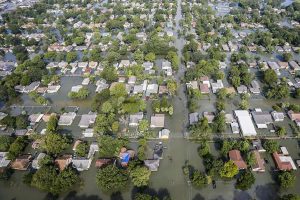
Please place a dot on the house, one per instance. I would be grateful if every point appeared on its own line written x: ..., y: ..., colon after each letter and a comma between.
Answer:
x: 81, y: 164
x: 32, y: 87
x: 242, y: 89
x: 20, y: 132
x: 87, y: 120
x: 193, y: 118
x: 167, y: 67
x: 294, y: 66
x: 36, y: 161
x: 89, y: 132
x: 76, y: 88
x: 193, y: 85
x: 152, y: 165
x: 204, y: 88
x: 256, y: 145
x: 235, y: 156
x: 151, y: 89
x: 134, y: 119
x: 277, y: 116
x: 141, y: 36
x: 101, y: 85
x: 35, y: 118
x: 210, y: 116
x: 85, y: 81
x: 259, y: 164
x: 138, y: 89
x: 132, y: 80
x: 93, y: 148
x: 284, y: 163
x: 4, y: 162
x: 262, y: 119
x: 53, y: 88
x: 21, y: 163
x: 103, y: 162
x: 157, y: 121
x: 235, y: 127
x: 163, y: 89
x: 245, y: 122
x: 148, y: 66
x: 216, y: 86
x: 63, y: 161
x: 66, y: 119
x: 294, y: 117
x: 2, y: 115
x: 124, y: 63
x: 255, y: 88
x: 205, y: 80
x: 164, y: 134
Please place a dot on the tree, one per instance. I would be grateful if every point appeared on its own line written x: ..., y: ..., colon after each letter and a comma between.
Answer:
x: 71, y: 56
x: 49, y: 180
x: 220, y: 122
x: 52, y: 124
x: 21, y: 122
x: 141, y: 196
x: 199, y: 179
x: 143, y: 125
x: 118, y: 90
x: 109, y: 74
x: 81, y: 149
x: 150, y: 57
x: 110, y: 178
x: 287, y: 57
x: 281, y: 131
x: 229, y: 170
x: 140, y: 176
x: 250, y: 158
x: 5, y: 142
x: 172, y: 87
x: 201, y: 130
x: 17, y: 147
x: 54, y: 143
x: 203, y: 149
x: 270, y: 77
x: 271, y: 146
x: 110, y: 146
x: 245, y: 181
x: 286, y: 179
x: 82, y: 93
x: 107, y: 107
x: 290, y: 197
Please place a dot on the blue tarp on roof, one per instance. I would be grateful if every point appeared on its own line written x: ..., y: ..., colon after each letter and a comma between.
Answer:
x: 125, y: 158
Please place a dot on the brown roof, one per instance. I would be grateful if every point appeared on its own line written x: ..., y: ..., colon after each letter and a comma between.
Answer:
x: 63, y: 161
x: 259, y: 163
x: 204, y: 78
x: 101, y: 162
x: 162, y: 89
x: 204, y: 88
x: 235, y: 156
x: 281, y: 165
x: 21, y: 163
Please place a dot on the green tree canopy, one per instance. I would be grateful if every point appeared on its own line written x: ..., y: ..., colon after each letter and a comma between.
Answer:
x: 111, y: 178
x: 229, y: 170
x: 49, y: 180
x: 245, y: 181
x: 286, y: 179
x: 271, y: 146
x: 140, y: 176
x: 54, y: 143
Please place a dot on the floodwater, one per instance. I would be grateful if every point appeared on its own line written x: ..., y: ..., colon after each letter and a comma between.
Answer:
x: 169, y: 180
